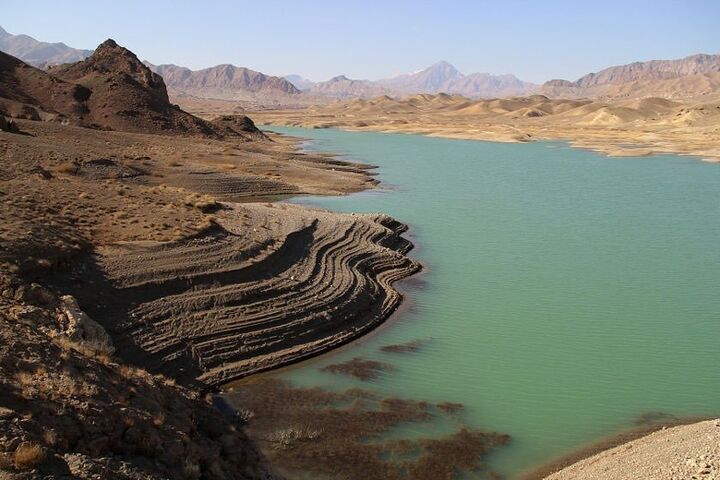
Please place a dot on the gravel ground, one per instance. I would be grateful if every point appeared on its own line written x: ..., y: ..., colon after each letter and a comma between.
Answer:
x: 684, y: 452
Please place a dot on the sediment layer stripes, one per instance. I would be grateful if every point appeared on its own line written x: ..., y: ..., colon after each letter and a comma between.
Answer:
x: 233, y: 304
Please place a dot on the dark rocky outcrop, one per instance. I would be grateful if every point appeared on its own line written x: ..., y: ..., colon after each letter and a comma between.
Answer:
x: 127, y: 95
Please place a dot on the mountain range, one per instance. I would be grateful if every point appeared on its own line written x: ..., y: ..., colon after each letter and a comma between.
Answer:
x: 226, y: 82
x: 689, y: 77
x: 441, y: 77
x: 693, y: 76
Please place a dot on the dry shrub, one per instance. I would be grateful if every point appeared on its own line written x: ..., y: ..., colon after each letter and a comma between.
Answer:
x: 204, y: 203
x: 158, y: 419
x: 24, y: 378
x: 70, y: 168
x: 29, y: 455
x: 128, y: 371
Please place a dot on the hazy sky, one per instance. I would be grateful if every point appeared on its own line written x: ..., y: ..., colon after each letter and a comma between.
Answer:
x: 536, y: 40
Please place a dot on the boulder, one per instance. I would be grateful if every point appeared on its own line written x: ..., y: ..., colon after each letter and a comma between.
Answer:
x: 8, y: 125
x: 82, y: 329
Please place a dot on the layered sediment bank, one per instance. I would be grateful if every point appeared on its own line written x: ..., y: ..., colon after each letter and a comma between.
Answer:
x: 267, y: 285
x: 168, y: 244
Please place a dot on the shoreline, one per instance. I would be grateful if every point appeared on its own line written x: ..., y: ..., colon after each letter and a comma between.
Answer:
x: 607, y: 149
x: 299, y: 143
x: 404, y: 301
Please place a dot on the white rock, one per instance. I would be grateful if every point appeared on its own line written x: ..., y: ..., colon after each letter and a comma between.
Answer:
x: 84, y: 330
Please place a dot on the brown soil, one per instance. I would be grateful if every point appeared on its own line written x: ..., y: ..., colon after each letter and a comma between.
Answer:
x: 68, y: 411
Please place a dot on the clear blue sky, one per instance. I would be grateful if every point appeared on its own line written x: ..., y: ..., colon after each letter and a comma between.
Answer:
x: 536, y: 40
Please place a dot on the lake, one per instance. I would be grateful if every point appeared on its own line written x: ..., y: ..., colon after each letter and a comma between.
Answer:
x: 565, y: 294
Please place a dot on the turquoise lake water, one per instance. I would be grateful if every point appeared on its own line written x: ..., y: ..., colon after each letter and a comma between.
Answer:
x: 564, y: 294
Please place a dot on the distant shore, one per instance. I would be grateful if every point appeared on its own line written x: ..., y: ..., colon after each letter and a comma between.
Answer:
x: 639, y: 128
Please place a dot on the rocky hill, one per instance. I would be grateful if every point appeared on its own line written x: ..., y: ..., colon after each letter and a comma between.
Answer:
x: 70, y: 410
x: 27, y: 92
x: 39, y: 54
x: 653, y: 70
x: 110, y: 90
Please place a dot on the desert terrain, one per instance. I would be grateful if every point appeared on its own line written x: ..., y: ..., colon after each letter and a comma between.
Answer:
x: 635, y: 127
x: 145, y: 261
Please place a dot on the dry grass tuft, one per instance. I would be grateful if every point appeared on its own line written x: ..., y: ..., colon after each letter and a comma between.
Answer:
x: 29, y: 455
x: 68, y: 345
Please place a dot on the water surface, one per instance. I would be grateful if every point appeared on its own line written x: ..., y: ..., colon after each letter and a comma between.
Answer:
x: 565, y: 293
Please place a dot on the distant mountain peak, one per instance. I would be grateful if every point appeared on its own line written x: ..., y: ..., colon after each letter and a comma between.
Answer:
x: 443, y: 77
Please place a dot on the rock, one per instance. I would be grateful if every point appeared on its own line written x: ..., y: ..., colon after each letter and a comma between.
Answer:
x: 55, y: 465
x: 40, y: 295
x: 35, y: 294
x: 82, y: 329
x: 8, y: 125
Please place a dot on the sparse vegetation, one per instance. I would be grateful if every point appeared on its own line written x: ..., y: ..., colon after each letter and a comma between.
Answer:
x: 29, y: 455
x: 204, y: 203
